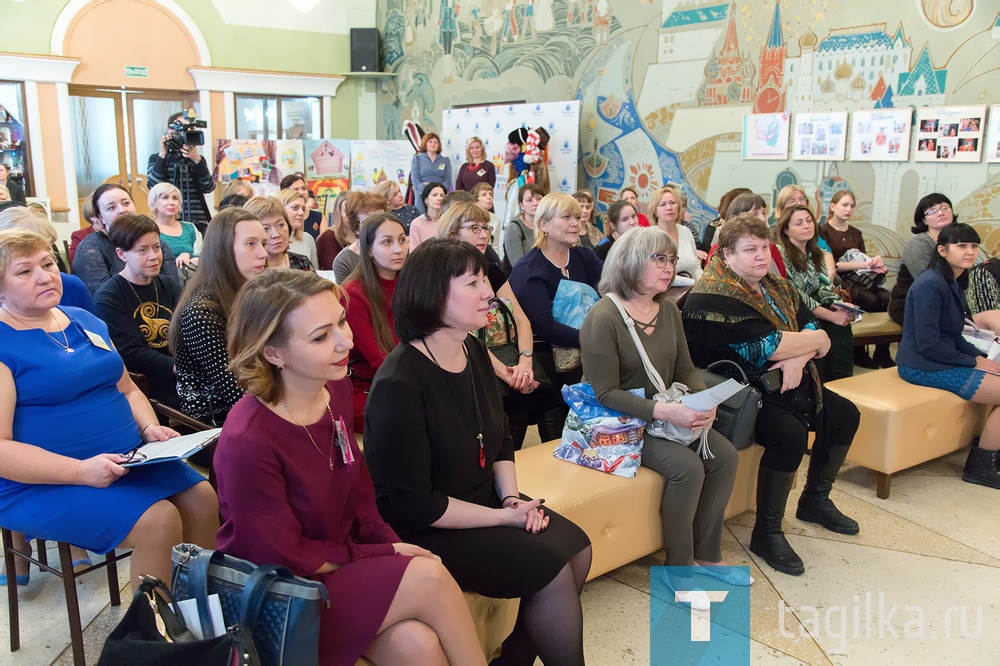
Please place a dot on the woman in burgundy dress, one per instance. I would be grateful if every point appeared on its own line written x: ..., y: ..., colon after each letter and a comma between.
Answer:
x: 300, y: 496
x: 477, y: 168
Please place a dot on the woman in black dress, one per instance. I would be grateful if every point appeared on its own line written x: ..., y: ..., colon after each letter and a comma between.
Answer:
x: 440, y: 454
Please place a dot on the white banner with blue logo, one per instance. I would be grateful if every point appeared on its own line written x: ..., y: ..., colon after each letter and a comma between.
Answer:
x: 492, y: 124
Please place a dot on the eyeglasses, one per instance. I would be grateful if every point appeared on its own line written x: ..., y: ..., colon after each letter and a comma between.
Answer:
x: 663, y: 260
x: 475, y: 228
x: 940, y: 209
x: 133, y: 456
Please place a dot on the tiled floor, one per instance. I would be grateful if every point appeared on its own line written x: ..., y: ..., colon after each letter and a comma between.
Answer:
x: 933, y: 545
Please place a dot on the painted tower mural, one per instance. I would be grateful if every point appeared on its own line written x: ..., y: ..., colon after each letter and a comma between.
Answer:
x: 664, y: 86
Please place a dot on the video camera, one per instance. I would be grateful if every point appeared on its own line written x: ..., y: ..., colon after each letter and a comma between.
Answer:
x: 185, y: 130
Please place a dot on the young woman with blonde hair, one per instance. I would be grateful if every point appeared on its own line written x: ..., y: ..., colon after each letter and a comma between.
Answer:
x: 296, y: 208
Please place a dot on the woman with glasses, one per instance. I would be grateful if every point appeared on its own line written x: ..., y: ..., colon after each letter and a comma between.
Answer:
x: 68, y: 413
x: 932, y: 214
x: 636, y: 277
x: 272, y: 215
x: 383, y: 247
x: 933, y: 352
x: 525, y: 401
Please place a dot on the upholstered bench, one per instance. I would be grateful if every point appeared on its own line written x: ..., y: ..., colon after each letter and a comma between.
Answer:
x: 876, y: 329
x: 621, y: 516
x: 903, y: 425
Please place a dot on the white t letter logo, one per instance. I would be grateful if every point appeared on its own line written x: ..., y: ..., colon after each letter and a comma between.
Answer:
x: 701, y: 621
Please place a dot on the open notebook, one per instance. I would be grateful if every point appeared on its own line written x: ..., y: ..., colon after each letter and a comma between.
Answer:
x: 177, y: 448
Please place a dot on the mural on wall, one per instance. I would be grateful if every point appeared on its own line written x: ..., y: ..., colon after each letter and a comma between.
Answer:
x: 664, y: 87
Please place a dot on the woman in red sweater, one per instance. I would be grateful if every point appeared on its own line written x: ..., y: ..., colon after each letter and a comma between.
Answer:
x: 382, y: 246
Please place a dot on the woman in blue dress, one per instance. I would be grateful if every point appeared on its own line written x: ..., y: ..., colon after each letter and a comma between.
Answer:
x: 68, y: 415
x: 933, y: 352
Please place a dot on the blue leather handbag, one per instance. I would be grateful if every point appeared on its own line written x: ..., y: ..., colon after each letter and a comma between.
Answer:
x: 282, y: 611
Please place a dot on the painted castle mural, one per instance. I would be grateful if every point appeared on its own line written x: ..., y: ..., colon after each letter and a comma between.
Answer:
x: 664, y: 86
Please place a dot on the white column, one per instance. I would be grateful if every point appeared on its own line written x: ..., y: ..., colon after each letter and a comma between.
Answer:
x: 35, y: 127
x: 368, y: 110
x: 229, y: 107
x: 69, y: 155
x: 327, y: 117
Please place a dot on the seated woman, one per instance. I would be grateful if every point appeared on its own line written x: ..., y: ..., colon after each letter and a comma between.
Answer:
x: 665, y: 213
x: 69, y: 414
x: 299, y: 241
x: 711, y: 232
x: 299, y: 495
x: 442, y: 462
x: 183, y: 238
x: 384, y: 246
x: 74, y: 292
x: 338, y: 235
x: 621, y: 217
x: 630, y: 195
x: 357, y: 207
x: 638, y: 273
x: 741, y: 313
x: 934, y: 353
x: 795, y: 195
x: 536, y: 278
x: 315, y: 220
x: 274, y: 219
x: 983, y: 294
x: 138, y: 304
x: 748, y: 202
x: 796, y: 234
x: 932, y: 214
x: 519, y: 236
x: 425, y: 226
x: 96, y: 260
x: 389, y: 189
x: 841, y: 237
x: 94, y: 223
x: 483, y: 194
x: 235, y: 251
x: 525, y: 402
x: 590, y: 235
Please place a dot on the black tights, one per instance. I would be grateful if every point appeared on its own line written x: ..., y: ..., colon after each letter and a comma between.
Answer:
x: 550, y: 622
x: 784, y: 436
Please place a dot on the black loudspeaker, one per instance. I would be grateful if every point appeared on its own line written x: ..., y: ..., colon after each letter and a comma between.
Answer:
x: 364, y: 50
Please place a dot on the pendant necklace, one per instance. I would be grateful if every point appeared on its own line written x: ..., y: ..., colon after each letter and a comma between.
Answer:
x: 64, y: 345
x: 475, y: 398
x: 333, y: 434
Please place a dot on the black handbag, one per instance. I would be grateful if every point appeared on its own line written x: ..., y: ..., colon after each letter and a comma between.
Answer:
x: 152, y: 633
x: 736, y: 418
x: 864, y: 279
x: 509, y: 353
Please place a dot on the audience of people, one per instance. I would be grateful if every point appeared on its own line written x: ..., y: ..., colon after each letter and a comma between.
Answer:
x: 138, y: 305
x: 739, y: 312
x: 442, y: 461
x: 383, y: 247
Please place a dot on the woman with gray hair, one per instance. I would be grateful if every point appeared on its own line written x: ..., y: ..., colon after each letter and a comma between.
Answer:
x: 637, y: 274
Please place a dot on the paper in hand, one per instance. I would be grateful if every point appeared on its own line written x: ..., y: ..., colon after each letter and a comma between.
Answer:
x: 704, y: 401
x: 176, y: 448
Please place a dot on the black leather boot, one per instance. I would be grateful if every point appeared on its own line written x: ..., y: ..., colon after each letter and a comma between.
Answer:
x: 863, y: 360
x: 982, y: 467
x: 767, y: 539
x: 815, y: 505
x: 550, y: 425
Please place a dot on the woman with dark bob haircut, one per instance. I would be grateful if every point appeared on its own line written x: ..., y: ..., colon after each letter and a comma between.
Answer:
x: 932, y: 214
x: 440, y: 454
x: 934, y: 353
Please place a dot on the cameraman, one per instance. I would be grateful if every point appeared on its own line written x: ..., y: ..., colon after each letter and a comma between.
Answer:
x: 165, y: 166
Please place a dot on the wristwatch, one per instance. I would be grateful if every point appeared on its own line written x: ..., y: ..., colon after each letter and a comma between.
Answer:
x: 527, y: 353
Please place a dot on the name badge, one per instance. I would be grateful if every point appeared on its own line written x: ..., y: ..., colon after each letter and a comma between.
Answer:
x: 441, y: 167
x: 97, y: 340
x: 481, y: 173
